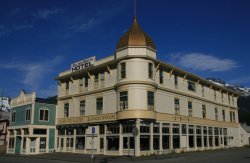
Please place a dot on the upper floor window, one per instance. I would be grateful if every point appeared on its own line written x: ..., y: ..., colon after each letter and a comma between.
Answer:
x: 150, y: 100
x: 123, y: 70
x: 203, y: 90
x: 223, y: 115
x: 215, y: 95
x: 176, y: 81
x: 177, y: 106
x: 67, y: 85
x: 99, y: 105
x: 66, y: 110
x: 233, y: 100
x: 216, y: 113
x: 150, y: 70
x: 13, y: 116
x: 161, y: 76
x: 44, y: 114
x: 124, y: 100
x: 191, y: 86
x: 204, y: 111
x: 96, y: 80
x: 82, y: 107
x: 81, y: 82
x: 27, y: 114
x: 190, y: 108
x: 229, y: 101
x: 86, y: 81
x: 222, y: 98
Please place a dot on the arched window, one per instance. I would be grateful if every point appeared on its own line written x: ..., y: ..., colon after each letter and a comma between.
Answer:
x: 44, y: 114
x: 13, y: 116
x: 27, y: 114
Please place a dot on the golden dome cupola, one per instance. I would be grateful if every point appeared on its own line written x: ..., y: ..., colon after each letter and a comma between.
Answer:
x: 135, y: 36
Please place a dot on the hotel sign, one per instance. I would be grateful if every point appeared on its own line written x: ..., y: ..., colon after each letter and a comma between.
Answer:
x: 83, y: 64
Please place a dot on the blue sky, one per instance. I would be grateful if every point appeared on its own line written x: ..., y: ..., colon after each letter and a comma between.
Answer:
x: 40, y: 38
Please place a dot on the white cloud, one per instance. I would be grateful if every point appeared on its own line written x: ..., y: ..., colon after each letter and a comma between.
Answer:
x: 203, y: 62
x: 45, y: 14
x: 33, y: 73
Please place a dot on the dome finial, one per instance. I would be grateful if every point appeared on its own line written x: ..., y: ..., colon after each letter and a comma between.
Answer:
x: 135, y: 9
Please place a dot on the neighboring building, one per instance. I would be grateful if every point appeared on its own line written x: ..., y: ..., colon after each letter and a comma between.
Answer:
x: 32, y: 125
x: 4, y: 122
x: 165, y: 107
x: 245, y: 134
x: 3, y: 135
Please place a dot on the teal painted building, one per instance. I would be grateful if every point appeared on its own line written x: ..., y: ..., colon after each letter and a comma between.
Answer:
x: 32, y: 125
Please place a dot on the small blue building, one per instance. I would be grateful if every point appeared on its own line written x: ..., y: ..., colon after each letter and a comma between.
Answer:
x: 32, y: 125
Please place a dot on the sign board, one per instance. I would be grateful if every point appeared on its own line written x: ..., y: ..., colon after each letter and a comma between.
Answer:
x: 83, y: 64
x: 93, y: 130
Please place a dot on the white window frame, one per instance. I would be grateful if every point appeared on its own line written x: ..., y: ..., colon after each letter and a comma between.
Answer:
x: 43, y: 120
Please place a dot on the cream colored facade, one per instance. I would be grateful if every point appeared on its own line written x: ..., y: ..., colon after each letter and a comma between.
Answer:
x: 163, y: 125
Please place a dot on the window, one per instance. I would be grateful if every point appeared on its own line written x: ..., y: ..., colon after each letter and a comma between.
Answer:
x: 24, y: 142
x: 123, y: 100
x: 191, y: 86
x: 150, y: 70
x: 150, y: 100
x: 123, y: 70
x: 215, y: 95
x: 223, y: 115
x: 99, y: 105
x: 204, y: 111
x: 13, y: 116
x: 190, y: 108
x: 67, y: 87
x: 176, y: 81
x: 203, y: 91
x: 216, y: 113
x: 96, y: 80
x: 86, y: 82
x: 11, y: 142
x: 177, y: 106
x: 161, y: 76
x: 44, y: 115
x: 66, y: 110
x: 42, y: 143
x: 82, y: 107
x: 229, y: 99
x: 102, y: 78
x: 27, y: 114
x: 81, y: 82
x: 222, y: 98
x: 233, y: 100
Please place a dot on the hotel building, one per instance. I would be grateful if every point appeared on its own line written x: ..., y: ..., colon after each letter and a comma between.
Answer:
x: 133, y: 103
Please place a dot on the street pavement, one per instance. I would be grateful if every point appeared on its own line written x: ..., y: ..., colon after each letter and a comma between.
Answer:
x: 234, y: 155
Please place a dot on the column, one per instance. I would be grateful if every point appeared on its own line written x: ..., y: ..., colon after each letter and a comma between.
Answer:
x: 171, y: 136
x: 195, y: 138
x: 202, y: 137
x: 22, y: 141
x: 151, y: 147
x: 105, y: 140
x: 160, y: 134
x: 120, y: 140
x: 187, y: 137
x: 213, y: 138
x: 47, y: 141
x: 74, y: 140
x: 64, y: 140
x: 37, y: 145
x: 85, y: 140
x: 137, y: 139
